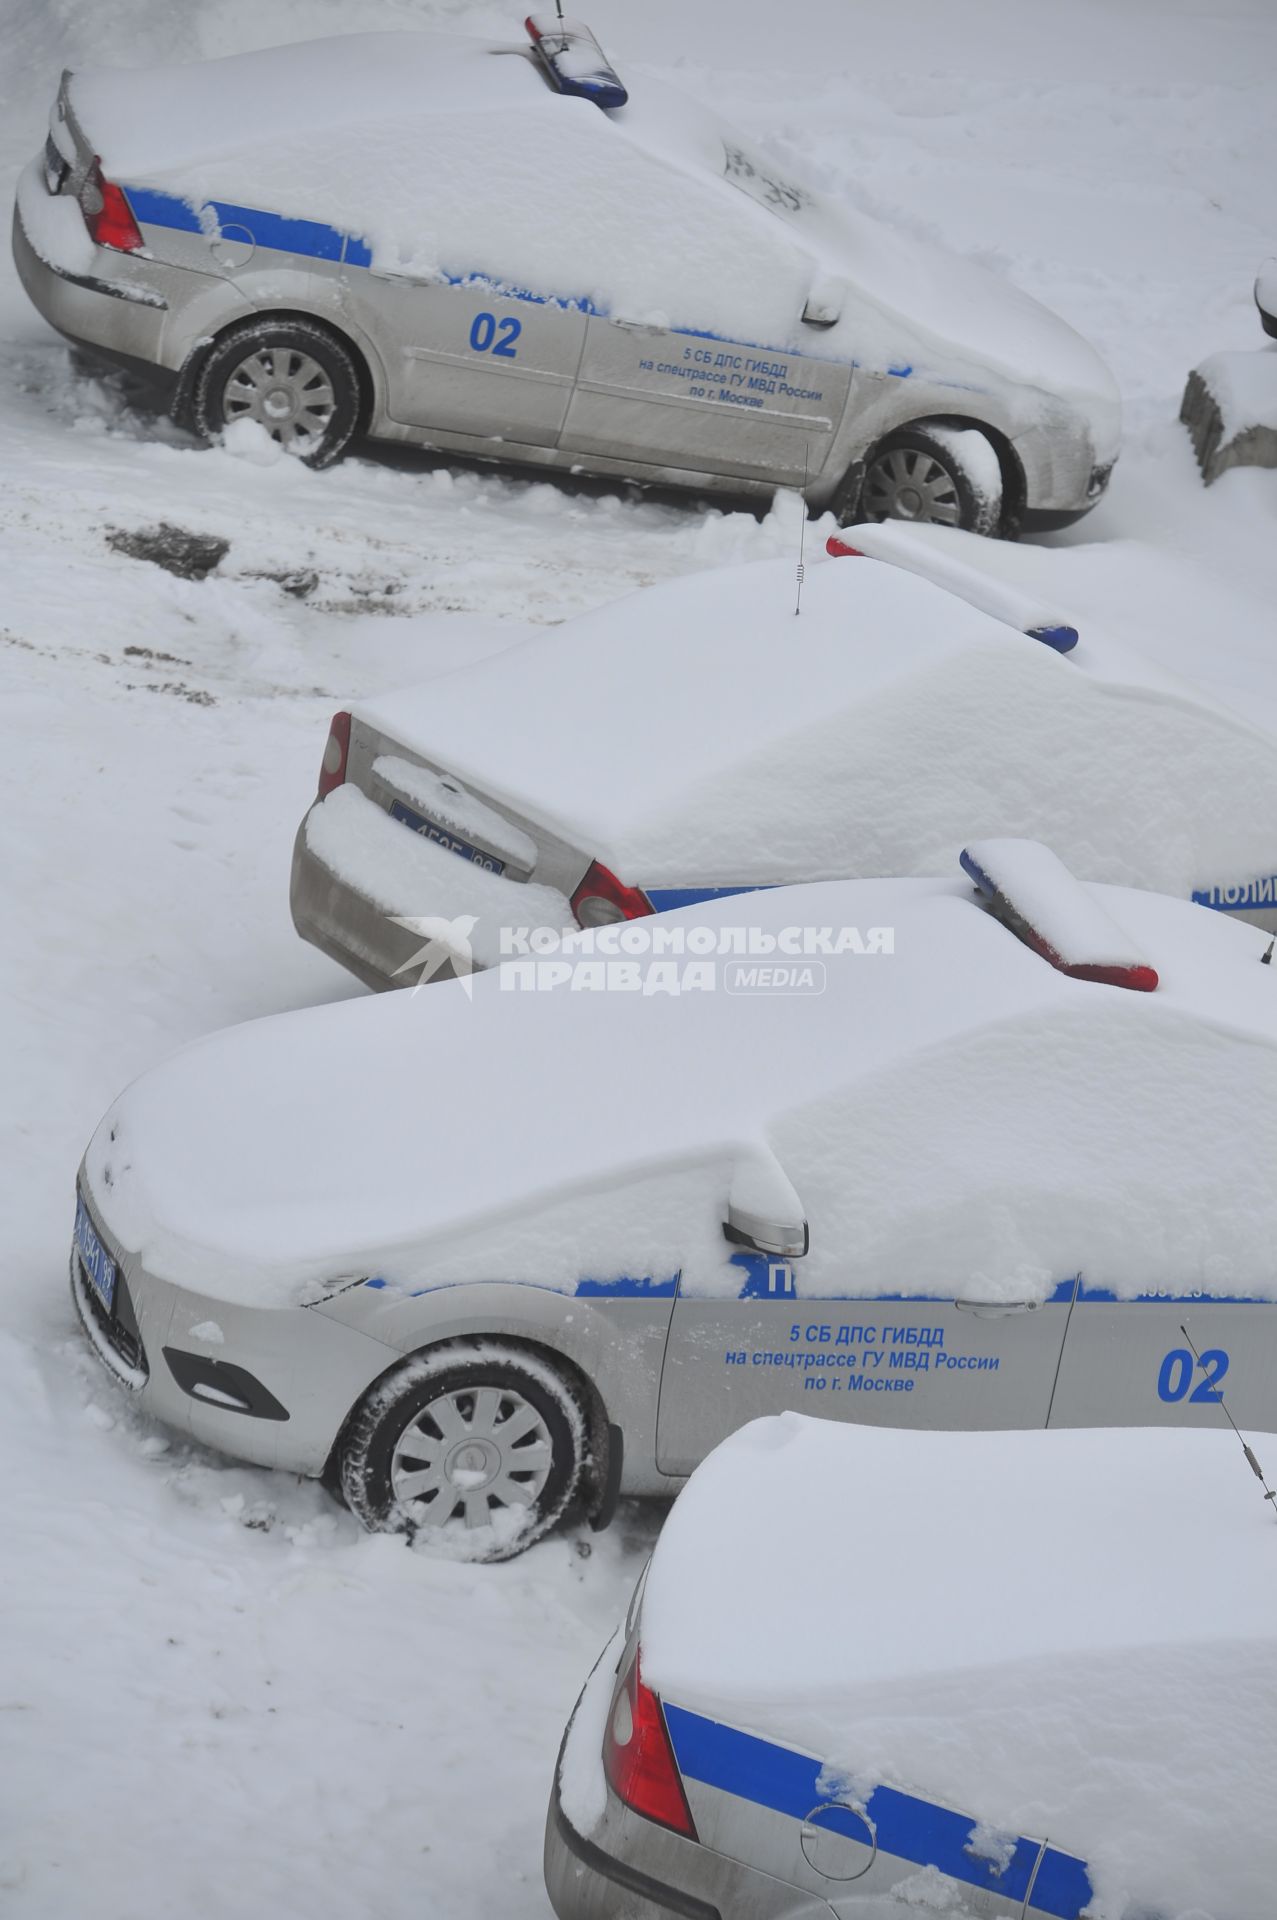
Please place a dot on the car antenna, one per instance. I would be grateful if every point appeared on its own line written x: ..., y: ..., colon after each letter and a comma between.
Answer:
x: 802, y: 536
x: 1266, y: 957
x: 1218, y: 1394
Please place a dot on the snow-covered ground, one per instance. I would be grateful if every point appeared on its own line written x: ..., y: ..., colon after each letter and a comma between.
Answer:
x: 217, y: 1693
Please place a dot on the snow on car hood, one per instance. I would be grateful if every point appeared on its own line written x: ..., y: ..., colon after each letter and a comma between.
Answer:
x: 558, y: 1134
x: 1009, y: 1623
x: 344, y: 131
x: 697, y: 734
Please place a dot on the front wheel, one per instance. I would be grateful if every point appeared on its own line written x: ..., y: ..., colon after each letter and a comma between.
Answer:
x: 293, y: 379
x: 476, y: 1449
x: 939, y: 475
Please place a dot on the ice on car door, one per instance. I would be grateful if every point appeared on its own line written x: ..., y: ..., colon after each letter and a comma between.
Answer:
x: 749, y: 1339
x: 1131, y: 1362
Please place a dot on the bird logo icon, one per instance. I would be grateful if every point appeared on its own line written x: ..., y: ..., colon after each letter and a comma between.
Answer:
x: 447, y: 953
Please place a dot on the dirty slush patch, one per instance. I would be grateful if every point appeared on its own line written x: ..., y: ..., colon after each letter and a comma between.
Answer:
x: 191, y: 556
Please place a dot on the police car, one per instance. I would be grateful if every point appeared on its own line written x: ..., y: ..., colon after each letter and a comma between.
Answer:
x: 937, y: 1153
x: 873, y: 1672
x: 502, y: 250
x: 697, y: 739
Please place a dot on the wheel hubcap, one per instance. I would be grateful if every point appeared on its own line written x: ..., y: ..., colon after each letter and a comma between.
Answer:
x: 908, y: 484
x: 285, y: 391
x: 471, y: 1453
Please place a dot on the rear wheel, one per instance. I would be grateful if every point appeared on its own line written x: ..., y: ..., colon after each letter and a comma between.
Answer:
x: 476, y: 1449
x: 297, y: 382
x: 941, y: 476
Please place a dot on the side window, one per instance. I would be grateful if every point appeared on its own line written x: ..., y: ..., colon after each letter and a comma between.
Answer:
x: 566, y: 206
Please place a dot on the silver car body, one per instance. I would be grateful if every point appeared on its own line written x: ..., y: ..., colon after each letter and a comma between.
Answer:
x: 475, y: 349
x: 790, y: 1726
x: 773, y: 1842
x: 699, y: 741
x: 280, y: 1215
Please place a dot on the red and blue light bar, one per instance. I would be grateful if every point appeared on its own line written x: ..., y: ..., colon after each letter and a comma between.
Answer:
x: 1051, y: 912
x: 991, y: 597
x: 574, y: 60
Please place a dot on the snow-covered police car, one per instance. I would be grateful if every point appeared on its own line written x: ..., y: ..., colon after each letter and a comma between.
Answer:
x: 919, y: 1152
x: 696, y: 739
x: 872, y: 1672
x: 488, y: 248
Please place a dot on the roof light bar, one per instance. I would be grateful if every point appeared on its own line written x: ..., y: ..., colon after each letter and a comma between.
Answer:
x: 1033, y: 893
x: 900, y: 546
x: 574, y: 60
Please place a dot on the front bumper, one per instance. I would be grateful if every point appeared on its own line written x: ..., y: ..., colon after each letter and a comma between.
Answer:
x: 270, y: 1385
x: 1055, y: 519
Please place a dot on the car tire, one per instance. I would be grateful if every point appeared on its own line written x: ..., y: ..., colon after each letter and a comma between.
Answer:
x: 930, y: 476
x: 426, y: 1452
x: 296, y: 380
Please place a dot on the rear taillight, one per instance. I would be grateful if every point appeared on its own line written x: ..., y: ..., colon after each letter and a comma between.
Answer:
x: 639, y: 1760
x: 332, y: 768
x: 602, y: 899
x: 107, y: 214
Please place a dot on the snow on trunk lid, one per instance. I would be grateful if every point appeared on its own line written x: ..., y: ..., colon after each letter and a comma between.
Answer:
x: 1033, y: 892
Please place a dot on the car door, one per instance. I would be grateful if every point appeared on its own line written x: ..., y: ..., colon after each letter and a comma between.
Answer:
x: 1131, y: 1362
x: 671, y: 397
x: 749, y: 1337
x: 472, y: 359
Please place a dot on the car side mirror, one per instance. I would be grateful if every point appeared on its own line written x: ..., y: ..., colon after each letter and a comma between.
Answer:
x: 763, y: 1211
x: 825, y: 302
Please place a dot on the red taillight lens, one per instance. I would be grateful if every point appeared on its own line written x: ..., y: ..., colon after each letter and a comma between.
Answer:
x: 332, y: 769
x: 639, y: 1760
x: 107, y: 214
x: 602, y: 899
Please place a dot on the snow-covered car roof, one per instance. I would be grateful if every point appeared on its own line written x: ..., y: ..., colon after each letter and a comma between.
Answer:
x: 953, y: 1110
x: 536, y: 191
x: 1067, y: 1633
x: 698, y: 733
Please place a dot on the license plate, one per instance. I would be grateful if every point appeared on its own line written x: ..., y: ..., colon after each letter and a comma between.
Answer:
x: 429, y: 831
x: 98, y: 1265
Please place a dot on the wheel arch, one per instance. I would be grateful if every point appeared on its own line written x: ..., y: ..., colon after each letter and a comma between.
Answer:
x: 368, y: 369
x: 1014, y: 484
x: 599, y: 1427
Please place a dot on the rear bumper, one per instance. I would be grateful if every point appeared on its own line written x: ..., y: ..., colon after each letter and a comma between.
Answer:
x: 628, y: 1868
x: 111, y: 312
x: 584, y: 1883
x: 344, y: 923
x: 356, y: 920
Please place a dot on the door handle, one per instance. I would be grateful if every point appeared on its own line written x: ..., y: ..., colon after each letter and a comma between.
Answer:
x: 996, y: 1309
